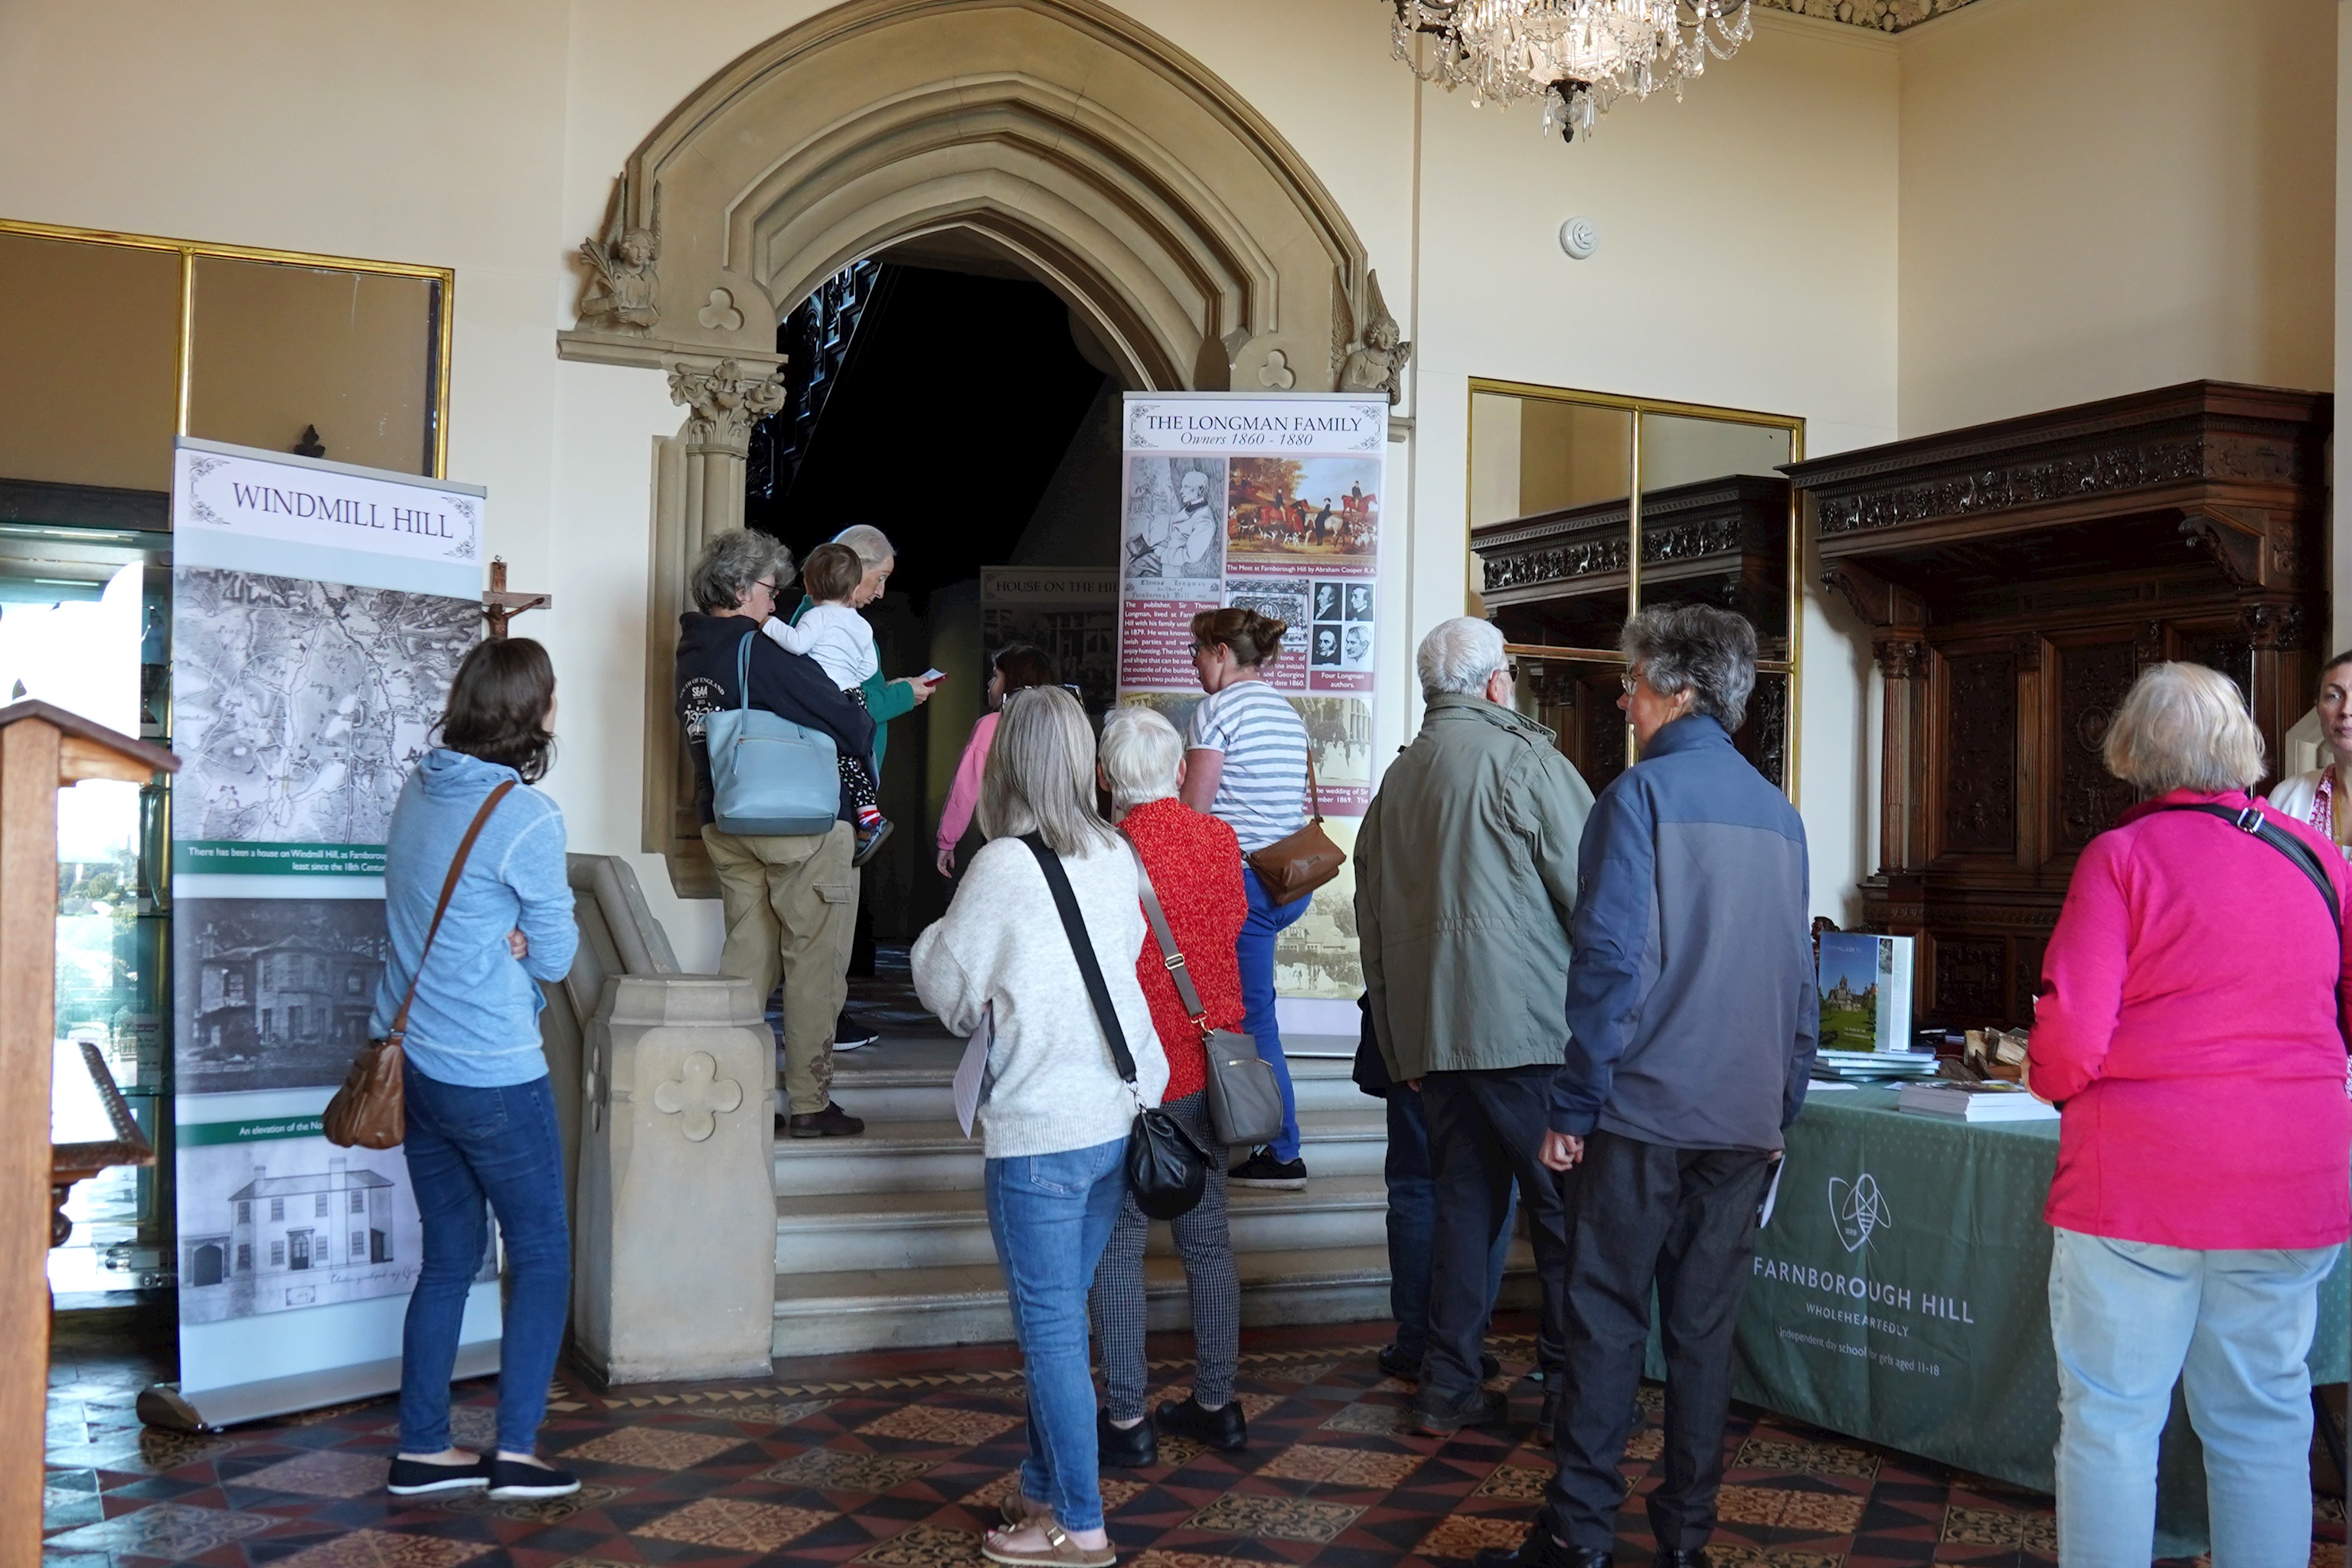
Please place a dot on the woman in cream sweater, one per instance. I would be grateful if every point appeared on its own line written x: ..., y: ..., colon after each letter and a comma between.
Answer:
x: 1055, y: 1112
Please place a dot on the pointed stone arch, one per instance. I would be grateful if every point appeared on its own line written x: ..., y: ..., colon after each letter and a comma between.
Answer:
x: 1176, y: 223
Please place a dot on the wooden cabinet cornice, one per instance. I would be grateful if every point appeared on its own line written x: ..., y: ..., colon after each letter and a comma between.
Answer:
x: 2017, y: 577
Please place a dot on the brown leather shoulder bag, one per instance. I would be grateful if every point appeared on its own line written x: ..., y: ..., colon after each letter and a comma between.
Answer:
x: 1290, y: 868
x: 371, y: 1111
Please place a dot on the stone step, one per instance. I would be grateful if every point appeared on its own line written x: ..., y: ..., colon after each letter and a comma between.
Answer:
x: 831, y: 1313
x: 914, y: 1080
x: 838, y: 1232
x: 917, y: 1156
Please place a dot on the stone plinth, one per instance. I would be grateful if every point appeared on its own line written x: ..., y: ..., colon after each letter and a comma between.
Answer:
x: 674, y: 1275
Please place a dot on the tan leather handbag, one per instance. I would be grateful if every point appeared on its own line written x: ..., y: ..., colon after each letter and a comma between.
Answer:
x: 1290, y: 868
x: 371, y: 1111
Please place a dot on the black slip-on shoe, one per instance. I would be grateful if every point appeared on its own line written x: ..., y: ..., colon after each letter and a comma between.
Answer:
x: 1439, y: 1417
x: 1225, y: 1428
x: 1263, y: 1169
x: 831, y: 1123
x: 1135, y: 1448
x: 1540, y: 1551
x: 1681, y: 1557
x: 513, y: 1479
x: 414, y: 1478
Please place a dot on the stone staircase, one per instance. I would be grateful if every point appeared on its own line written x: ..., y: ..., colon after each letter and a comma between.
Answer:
x: 881, y: 1241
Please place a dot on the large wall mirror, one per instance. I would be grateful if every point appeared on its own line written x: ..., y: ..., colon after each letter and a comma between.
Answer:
x: 113, y: 344
x: 1585, y: 507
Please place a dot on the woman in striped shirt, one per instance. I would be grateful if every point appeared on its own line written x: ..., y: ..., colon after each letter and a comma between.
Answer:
x: 1245, y: 764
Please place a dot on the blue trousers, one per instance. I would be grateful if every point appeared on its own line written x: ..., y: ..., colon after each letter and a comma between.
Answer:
x: 466, y: 1146
x: 1413, y: 1223
x: 1051, y: 1216
x: 1266, y: 920
x: 2129, y: 1319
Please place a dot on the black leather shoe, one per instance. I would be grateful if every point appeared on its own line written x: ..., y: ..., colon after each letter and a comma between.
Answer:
x: 1225, y: 1428
x: 1681, y: 1557
x: 831, y: 1123
x: 1540, y: 1551
x: 419, y: 1477
x: 1392, y: 1362
x: 1135, y: 1448
x: 1438, y: 1416
x: 1547, y: 1420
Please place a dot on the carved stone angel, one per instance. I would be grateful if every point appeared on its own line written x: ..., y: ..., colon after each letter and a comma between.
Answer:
x: 622, y: 286
x: 1376, y: 361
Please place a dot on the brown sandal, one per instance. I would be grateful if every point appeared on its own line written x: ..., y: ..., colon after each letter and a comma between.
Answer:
x: 1018, y: 1511
x: 1062, y: 1551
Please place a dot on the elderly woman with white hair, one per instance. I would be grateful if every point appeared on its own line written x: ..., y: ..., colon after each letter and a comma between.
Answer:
x: 2190, y: 1029
x: 1055, y: 1112
x: 1195, y: 866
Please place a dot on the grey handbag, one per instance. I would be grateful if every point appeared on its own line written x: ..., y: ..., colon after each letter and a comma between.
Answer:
x: 1244, y: 1103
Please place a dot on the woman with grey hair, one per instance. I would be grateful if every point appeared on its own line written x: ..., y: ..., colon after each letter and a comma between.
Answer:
x: 885, y: 699
x: 2194, y: 983
x: 791, y: 899
x: 1054, y: 1113
x: 1195, y: 866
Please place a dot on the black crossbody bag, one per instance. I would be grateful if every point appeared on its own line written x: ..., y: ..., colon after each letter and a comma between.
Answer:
x: 2249, y: 820
x: 1167, y: 1168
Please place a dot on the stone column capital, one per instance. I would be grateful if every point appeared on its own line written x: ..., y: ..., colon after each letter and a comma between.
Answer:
x: 724, y: 400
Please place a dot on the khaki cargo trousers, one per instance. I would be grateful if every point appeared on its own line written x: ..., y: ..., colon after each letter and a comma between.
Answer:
x: 792, y: 909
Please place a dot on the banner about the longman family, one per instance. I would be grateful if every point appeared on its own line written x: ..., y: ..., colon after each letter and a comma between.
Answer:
x: 1276, y: 503
x: 320, y: 611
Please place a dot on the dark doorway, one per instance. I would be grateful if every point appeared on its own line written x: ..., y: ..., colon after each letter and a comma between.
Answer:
x: 957, y: 411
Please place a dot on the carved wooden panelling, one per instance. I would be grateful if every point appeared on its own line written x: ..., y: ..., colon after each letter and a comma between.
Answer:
x: 2092, y: 681
x: 2025, y: 981
x: 1970, y: 975
x: 1604, y: 744
x: 1980, y: 778
x: 2234, y: 656
x: 1768, y: 727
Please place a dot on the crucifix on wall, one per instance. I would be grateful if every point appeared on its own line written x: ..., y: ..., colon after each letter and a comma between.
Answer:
x: 500, y: 606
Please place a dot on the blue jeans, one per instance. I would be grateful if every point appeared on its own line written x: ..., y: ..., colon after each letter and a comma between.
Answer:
x: 1413, y: 1223
x: 466, y: 1145
x: 2128, y: 1319
x: 1051, y: 1216
x: 1255, y: 950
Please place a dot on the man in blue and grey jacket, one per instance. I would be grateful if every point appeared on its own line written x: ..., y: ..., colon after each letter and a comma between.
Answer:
x: 1691, y: 1004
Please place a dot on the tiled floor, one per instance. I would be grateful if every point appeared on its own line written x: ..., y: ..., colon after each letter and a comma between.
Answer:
x: 893, y: 1461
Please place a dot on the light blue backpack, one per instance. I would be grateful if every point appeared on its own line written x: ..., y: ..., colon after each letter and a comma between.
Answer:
x: 768, y: 774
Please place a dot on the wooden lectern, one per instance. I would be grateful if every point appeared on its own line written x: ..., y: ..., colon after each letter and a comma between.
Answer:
x: 43, y: 749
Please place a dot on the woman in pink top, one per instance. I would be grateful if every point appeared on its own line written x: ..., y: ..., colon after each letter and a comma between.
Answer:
x: 2189, y: 1028
x: 1017, y: 665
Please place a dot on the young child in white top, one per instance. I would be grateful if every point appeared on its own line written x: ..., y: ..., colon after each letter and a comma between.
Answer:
x: 830, y: 632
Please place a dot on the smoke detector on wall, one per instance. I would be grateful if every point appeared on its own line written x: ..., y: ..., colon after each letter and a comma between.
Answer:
x: 1580, y: 238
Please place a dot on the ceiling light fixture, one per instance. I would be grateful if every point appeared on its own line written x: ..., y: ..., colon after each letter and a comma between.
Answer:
x: 1578, y: 56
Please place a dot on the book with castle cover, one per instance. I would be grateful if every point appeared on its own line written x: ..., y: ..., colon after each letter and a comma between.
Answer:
x: 1865, y: 992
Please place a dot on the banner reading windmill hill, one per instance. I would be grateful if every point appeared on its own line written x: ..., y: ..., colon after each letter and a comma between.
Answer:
x: 1275, y: 503
x: 318, y: 614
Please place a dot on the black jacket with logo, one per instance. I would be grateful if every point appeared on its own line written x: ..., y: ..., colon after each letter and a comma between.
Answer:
x: 789, y: 685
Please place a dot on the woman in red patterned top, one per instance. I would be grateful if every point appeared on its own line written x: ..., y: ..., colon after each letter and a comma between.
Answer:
x: 1195, y: 864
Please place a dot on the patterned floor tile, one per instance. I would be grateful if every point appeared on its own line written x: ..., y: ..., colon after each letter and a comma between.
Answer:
x: 1284, y: 1519
x: 384, y: 1548
x: 831, y: 1471
x: 1806, y: 1458
x: 1379, y: 1418
x: 652, y: 1447
x: 326, y: 1473
x: 1819, y: 1513
x: 1723, y: 1554
x: 1647, y: 1444
x: 935, y: 1424
x: 772, y: 1415
x: 2034, y: 1531
x: 472, y: 1427
x: 925, y: 1546
x: 734, y: 1524
x: 1158, y: 1558
x: 532, y: 1511
x: 1520, y: 1483
x: 169, y: 1531
x: 1465, y: 1534
x: 1340, y: 1467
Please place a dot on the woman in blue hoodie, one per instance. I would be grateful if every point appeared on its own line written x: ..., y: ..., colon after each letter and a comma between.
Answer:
x: 481, y: 1120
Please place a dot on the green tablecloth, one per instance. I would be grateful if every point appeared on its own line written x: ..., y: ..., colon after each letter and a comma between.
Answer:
x: 1901, y: 1295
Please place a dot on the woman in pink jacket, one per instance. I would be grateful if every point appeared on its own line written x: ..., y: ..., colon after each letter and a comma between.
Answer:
x: 1017, y: 665
x: 2189, y: 1028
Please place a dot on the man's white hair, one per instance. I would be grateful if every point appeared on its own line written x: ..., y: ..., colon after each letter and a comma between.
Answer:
x: 1138, y: 753
x: 873, y: 546
x: 1459, y: 657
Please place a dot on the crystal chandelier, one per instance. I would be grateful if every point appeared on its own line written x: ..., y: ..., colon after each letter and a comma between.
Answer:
x: 1578, y: 56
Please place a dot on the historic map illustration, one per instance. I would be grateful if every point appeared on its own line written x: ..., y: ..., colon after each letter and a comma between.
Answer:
x: 301, y: 706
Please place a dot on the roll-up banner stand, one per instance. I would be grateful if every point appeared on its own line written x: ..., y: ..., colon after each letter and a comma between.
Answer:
x: 320, y: 611
x: 1275, y: 503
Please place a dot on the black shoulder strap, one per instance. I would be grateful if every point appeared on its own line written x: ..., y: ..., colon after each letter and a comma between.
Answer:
x: 2251, y: 820
x: 1082, y: 947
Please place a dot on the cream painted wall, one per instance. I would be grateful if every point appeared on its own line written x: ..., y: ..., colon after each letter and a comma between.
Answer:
x: 2100, y: 196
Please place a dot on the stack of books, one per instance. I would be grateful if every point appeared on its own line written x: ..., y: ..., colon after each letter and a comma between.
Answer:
x: 1993, y: 1101
x: 1872, y: 1067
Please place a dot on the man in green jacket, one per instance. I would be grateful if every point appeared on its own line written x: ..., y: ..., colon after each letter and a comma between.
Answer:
x: 1466, y: 879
